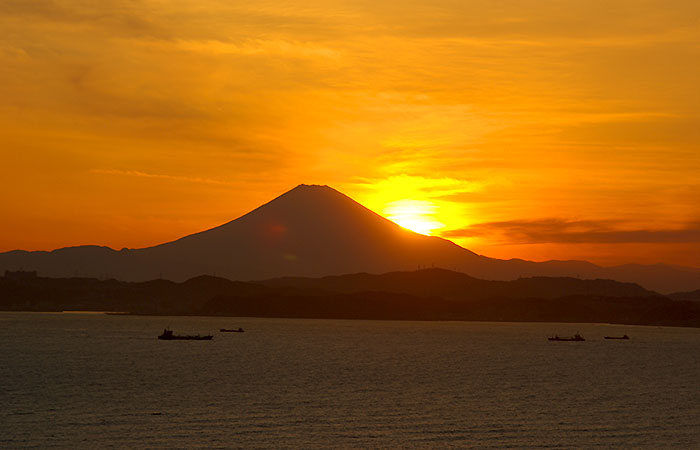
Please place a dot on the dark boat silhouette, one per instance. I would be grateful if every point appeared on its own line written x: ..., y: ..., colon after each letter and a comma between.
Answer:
x: 624, y: 336
x: 225, y: 330
x: 169, y: 336
x: 576, y: 337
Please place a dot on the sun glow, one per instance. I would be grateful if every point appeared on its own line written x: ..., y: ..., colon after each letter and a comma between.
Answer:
x: 415, y: 215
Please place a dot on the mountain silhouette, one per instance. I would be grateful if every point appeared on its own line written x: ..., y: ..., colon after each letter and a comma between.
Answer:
x: 316, y: 231
x: 693, y: 296
x: 426, y: 294
x: 309, y: 231
x: 452, y: 285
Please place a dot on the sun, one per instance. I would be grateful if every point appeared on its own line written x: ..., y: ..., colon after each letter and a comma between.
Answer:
x: 415, y: 215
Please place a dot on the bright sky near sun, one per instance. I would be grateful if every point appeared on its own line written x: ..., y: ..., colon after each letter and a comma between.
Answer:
x: 539, y: 129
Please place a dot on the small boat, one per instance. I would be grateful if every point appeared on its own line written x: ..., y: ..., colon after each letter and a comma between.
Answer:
x: 169, y: 336
x: 576, y: 337
x: 225, y: 330
x: 624, y: 336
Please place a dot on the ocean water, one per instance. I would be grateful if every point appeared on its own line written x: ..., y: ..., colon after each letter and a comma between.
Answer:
x: 99, y: 381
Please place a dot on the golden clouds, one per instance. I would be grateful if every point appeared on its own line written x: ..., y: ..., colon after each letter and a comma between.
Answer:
x: 481, y: 112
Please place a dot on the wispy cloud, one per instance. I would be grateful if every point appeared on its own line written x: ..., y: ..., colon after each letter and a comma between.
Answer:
x: 262, y: 47
x: 136, y: 173
x: 559, y: 231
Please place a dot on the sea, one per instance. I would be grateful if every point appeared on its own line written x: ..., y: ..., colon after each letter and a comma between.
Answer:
x: 89, y: 380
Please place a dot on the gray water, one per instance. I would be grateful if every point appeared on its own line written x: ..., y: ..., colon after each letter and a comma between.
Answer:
x: 99, y: 381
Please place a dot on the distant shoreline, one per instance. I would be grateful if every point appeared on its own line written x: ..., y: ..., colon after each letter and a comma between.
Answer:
x: 131, y: 314
x: 424, y: 295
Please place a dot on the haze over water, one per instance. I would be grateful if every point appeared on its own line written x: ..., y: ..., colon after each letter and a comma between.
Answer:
x: 78, y: 380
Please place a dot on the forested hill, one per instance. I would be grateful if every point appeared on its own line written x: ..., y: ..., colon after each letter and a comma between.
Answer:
x: 430, y: 294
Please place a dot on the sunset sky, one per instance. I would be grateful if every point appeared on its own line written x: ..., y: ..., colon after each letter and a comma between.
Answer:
x: 532, y: 129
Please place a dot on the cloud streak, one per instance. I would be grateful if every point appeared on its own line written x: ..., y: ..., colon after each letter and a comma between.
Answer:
x: 139, y: 174
x: 559, y: 231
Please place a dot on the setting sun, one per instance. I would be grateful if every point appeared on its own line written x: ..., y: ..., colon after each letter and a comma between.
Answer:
x: 404, y: 203
x: 419, y: 204
x: 531, y: 131
x: 415, y: 215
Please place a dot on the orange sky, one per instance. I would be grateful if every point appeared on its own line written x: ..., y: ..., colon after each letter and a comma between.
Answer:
x: 532, y: 129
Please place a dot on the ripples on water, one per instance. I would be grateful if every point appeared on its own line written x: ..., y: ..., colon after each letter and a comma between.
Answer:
x: 70, y: 380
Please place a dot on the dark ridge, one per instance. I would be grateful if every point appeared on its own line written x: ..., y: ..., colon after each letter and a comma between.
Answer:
x: 431, y: 294
x: 692, y: 296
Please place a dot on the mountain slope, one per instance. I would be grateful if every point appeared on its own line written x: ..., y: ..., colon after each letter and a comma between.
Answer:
x: 314, y: 231
x: 308, y: 231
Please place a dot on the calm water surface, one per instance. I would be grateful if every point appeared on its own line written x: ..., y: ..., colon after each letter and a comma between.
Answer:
x: 98, y: 381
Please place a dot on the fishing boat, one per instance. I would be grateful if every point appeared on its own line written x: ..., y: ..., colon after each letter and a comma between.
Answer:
x: 169, y: 336
x: 624, y: 336
x: 575, y: 337
x: 226, y: 330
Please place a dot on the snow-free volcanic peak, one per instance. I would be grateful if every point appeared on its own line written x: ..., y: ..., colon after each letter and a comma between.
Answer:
x: 316, y: 231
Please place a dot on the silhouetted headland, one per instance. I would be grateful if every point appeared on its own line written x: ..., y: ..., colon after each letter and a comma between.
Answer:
x: 693, y: 296
x: 429, y: 294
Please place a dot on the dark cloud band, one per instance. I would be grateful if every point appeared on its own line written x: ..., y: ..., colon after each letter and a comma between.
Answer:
x: 557, y: 231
